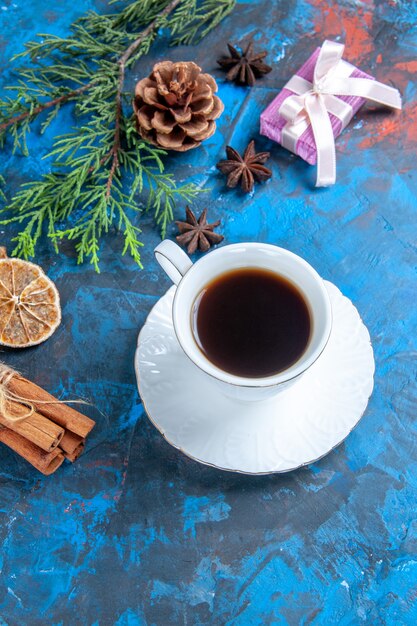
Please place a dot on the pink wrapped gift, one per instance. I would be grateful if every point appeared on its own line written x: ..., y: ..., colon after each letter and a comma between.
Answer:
x: 317, y: 103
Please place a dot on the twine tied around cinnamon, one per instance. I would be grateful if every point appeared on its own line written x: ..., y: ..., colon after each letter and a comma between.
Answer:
x: 8, y: 397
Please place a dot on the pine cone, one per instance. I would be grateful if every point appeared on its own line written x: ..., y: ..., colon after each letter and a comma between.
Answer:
x: 176, y: 107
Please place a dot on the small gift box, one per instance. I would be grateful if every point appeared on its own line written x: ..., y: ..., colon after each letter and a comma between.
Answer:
x: 317, y: 103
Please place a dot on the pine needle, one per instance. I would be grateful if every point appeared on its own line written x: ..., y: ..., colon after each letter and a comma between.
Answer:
x: 103, y: 174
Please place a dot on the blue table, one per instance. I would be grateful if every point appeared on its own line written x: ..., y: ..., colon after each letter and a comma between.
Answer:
x: 134, y: 532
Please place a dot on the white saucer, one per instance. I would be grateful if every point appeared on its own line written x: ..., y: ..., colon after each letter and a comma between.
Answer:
x: 294, y: 428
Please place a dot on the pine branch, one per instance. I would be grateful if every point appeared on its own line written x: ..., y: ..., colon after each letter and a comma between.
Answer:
x: 83, y: 197
x: 203, y: 17
x: 122, y: 66
x: 2, y: 184
x: 34, y: 112
x: 148, y: 31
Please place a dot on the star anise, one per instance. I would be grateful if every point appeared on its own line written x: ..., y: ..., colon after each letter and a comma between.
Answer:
x: 245, y: 169
x: 197, y: 233
x: 244, y: 67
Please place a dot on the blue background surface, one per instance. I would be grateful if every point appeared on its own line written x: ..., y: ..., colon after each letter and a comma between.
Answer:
x: 134, y: 532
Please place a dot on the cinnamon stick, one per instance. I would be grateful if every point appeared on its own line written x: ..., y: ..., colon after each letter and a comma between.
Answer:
x: 45, y: 462
x: 47, y: 405
x: 36, y: 428
x: 70, y: 442
x: 73, y: 456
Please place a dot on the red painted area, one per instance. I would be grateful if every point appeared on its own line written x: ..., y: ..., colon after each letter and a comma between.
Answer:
x: 399, y: 74
x: 353, y: 25
x: 407, y: 66
x: 397, y: 128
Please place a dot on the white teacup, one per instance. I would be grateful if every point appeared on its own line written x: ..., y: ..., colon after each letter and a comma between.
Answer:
x: 192, y: 278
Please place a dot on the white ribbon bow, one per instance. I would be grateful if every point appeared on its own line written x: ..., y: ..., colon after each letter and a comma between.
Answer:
x: 313, y: 102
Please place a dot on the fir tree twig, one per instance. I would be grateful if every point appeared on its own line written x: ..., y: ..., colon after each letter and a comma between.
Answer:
x: 84, y: 195
x: 42, y: 107
x: 122, y: 66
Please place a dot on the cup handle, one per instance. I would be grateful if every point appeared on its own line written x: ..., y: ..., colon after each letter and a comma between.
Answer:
x: 172, y: 259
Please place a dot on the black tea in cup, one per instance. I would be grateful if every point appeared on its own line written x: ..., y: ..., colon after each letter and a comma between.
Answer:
x: 251, y: 322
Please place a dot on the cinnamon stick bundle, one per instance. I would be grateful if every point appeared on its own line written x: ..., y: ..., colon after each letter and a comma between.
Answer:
x: 45, y: 403
x: 45, y: 436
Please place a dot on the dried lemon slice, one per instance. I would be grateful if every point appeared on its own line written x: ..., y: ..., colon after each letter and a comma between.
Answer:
x: 29, y: 303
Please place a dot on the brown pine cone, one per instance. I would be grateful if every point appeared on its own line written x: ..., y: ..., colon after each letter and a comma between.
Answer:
x: 176, y: 107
